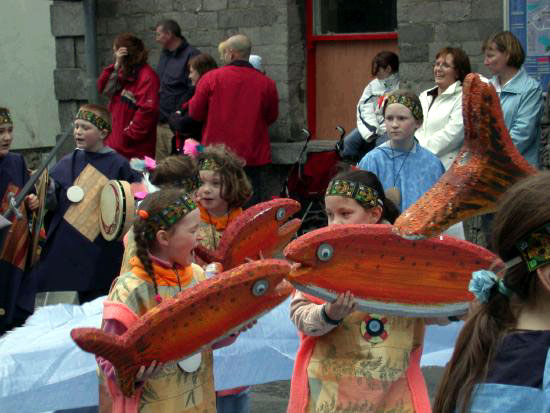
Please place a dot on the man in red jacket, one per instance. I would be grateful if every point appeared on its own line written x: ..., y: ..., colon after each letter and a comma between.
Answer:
x: 237, y: 103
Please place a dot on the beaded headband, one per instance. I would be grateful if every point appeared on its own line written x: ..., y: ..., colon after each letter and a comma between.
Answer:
x: 5, y: 117
x: 413, y: 105
x: 365, y: 195
x: 209, y: 164
x: 94, y: 119
x: 166, y: 218
x: 534, y: 249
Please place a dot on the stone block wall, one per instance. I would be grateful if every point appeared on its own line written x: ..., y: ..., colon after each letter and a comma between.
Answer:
x: 426, y: 26
x: 275, y: 28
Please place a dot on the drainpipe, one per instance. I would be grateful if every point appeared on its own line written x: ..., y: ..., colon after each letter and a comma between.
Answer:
x: 90, y: 47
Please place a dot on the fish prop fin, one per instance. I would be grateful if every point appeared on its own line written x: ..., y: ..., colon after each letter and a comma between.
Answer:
x: 486, y: 166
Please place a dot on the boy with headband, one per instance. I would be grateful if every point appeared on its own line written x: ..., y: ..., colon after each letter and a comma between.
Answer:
x: 75, y: 255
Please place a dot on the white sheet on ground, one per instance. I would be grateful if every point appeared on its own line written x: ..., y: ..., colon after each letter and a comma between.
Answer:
x: 41, y: 369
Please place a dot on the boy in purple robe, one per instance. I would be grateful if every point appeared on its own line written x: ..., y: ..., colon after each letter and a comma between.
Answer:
x: 75, y: 256
x: 13, y: 252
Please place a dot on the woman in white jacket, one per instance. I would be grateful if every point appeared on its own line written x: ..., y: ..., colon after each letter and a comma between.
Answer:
x: 442, y: 131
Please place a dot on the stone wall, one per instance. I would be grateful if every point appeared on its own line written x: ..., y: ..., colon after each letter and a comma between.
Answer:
x: 274, y: 26
x: 427, y: 26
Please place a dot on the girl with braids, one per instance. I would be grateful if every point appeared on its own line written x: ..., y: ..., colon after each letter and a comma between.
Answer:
x: 501, y: 361
x: 165, y: 235
x: 351, y: 361
x: 224, y: 188
x: 175, y: 171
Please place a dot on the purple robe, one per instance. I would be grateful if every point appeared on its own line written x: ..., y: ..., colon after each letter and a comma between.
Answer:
x: 13, y: 172
x: 69, y: 261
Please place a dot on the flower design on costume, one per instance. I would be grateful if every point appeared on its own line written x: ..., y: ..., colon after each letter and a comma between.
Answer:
x: 482, y: 283
x: 363, y: 194
x: 375, y: 328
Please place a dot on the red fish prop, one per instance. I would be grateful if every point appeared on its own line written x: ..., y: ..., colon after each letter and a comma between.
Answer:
x: 486, y: 166
x: 193, y: 320
x: 259, y: 232
x: 385, y: 272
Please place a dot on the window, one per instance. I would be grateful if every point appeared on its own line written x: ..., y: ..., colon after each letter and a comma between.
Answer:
x: 354, y: 16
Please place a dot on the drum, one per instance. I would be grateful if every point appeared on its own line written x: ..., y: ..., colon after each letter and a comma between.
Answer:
x: 116, y: 210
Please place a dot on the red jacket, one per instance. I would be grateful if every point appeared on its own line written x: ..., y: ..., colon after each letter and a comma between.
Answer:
x: 237, y: 103
x: 134, y: 107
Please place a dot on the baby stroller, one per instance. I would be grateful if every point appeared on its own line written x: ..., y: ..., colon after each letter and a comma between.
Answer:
x: 308, y: 179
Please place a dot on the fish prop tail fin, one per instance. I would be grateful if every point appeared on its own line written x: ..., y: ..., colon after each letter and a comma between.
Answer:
x: 109, y: 347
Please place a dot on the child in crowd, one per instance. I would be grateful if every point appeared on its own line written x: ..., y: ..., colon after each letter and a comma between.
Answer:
x: 175, y: 171
x: 371, y: 129
x: 405, y: 169
x: 13, y: 252
x: 224, y: 188
x: 165, y: 234
x: 501, y: 361
x: 223, y: 191
x: 337, y: 368
x: 75, y: 255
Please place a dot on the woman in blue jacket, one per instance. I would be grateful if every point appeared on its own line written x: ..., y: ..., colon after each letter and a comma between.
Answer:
x: 520, y: 95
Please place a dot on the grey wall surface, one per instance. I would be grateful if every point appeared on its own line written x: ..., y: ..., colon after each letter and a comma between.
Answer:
x: 427, y: 26
x: 27, y: 62
x: 274, y: 26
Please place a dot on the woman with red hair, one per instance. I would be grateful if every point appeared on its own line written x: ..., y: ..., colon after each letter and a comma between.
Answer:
x: 133, y: 88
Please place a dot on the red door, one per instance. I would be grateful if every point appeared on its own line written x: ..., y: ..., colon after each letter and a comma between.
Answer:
x: 339, y: 62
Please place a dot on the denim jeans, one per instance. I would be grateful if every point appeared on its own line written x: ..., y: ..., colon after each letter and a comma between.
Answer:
x: 355, y: 147
x: 235, y: 403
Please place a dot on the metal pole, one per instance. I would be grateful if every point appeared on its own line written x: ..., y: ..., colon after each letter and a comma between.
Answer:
x: 90, y: 47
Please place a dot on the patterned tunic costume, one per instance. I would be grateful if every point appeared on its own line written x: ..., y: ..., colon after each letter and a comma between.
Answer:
x: 171, y: 389
x: 368, y: 363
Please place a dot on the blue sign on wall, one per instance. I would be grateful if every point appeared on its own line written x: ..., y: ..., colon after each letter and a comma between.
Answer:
x: 529, y: 20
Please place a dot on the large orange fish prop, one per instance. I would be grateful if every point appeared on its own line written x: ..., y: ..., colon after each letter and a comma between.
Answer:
x: 260, y: 231
x: 193, y: 320
x: 486, y: 166
x: 385, y: 272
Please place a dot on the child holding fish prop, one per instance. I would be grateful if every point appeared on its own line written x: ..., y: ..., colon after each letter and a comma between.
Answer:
x: 230, y: 236
x: 144, y: 325
x: 501, y: 361
x: 165, y: 235
x: 175, y: 171
x: 350, y: 360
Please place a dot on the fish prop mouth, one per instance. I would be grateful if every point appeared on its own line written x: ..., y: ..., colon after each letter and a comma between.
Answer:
x: 290, y: 227
x: 397, y: 309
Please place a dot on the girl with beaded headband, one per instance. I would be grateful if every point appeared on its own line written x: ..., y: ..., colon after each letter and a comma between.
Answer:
x: 501, y: 360
x: 405, y: 169
x: 175, y: 171
x: 13, y: 177
x: 224, y: 189
x: 165, y: 233
x: 350, y: 360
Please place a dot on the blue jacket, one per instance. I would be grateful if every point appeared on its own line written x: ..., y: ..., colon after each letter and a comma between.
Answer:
x: 521, y: 102
x: 504, y: 398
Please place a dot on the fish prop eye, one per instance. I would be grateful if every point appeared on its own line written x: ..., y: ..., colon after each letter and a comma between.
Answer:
x: 260, y: 287
x: 325, y: 252
x: 281, y: 213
